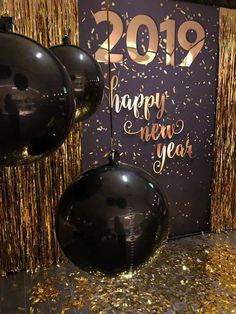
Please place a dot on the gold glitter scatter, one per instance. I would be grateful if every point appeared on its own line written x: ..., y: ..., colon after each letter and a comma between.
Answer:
x: 22, y: 309
x: 191, y: 275
x: 29, y: 194
x: 223, y: 209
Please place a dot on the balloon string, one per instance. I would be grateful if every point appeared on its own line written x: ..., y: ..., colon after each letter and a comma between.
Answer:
x: 109, y: 73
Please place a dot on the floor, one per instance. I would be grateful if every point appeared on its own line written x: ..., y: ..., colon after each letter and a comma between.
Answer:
x: 190, y: 275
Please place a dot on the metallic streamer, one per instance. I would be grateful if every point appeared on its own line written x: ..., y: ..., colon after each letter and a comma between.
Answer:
x: 29, y: 194
x: 223, y: 209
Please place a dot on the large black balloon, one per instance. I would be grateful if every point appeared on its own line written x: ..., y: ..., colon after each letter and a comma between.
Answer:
x: 36, y: 101
x: 111, y: 219
x: 86, y: 76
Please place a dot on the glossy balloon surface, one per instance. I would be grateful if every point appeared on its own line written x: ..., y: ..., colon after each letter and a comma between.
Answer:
x: 111, y: 219
x: 36, y: 101
x: 86, y: 76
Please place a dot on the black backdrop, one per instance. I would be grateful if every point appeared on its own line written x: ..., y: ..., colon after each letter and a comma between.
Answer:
x: 190, y: 97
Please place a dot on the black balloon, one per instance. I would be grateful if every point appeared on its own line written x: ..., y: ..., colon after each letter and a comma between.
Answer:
x: 36, y: 101
x: 86, y: 77
x: 111, y: 219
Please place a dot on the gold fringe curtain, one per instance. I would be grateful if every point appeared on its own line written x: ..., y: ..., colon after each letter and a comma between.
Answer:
x: 29, y: 194
x: 223, y: 211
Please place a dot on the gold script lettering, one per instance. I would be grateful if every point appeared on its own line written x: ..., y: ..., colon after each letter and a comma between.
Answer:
x: 139, y: 104
x: 156, y: 130
x: 170, y: 151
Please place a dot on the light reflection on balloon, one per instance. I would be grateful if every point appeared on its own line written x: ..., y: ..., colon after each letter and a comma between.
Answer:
x: 86, y: 77
x: 112, y: 219
x: 36, y: 101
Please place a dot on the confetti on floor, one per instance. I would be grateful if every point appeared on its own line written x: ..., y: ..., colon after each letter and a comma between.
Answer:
x: 191, y: 275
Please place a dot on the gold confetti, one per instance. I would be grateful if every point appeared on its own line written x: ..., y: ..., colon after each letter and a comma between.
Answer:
x: 195, y: 275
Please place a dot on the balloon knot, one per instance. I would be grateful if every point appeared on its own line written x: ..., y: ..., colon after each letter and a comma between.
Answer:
x: 6, y: 24
x: 66, y: 40
x: 114, y: 157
